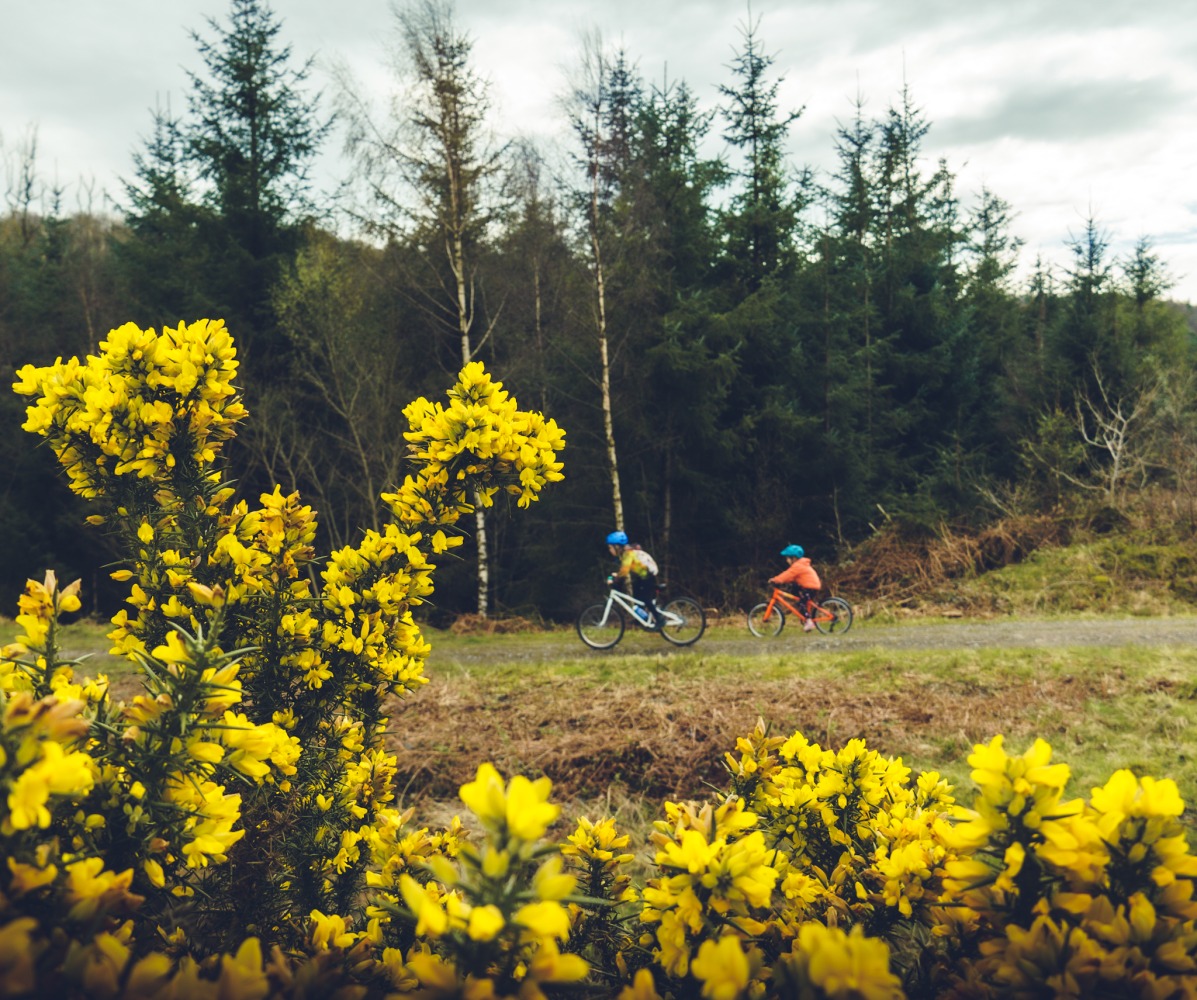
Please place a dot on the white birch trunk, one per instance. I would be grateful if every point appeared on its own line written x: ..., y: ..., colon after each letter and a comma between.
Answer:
x: 465, y: 320
x: 604, y: 356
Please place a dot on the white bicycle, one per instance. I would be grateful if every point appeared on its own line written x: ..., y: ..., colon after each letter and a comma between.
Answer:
x: 601, y: 626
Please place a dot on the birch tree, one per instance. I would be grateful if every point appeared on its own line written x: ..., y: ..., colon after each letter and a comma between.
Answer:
x: 593, y: 118
x: 431, y: 167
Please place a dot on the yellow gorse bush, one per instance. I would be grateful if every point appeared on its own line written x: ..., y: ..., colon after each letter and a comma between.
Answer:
x: 479, y: 444
x: 146, y: 403
x: 231, y: 831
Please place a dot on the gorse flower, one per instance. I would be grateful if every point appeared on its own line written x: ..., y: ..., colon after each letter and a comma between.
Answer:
x: 478, y: 445
x: 519, y: 812
x: 146, y: 403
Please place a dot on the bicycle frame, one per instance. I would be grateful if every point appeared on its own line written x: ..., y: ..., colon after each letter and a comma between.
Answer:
x: 790, y: 603
x: 629, y: 603
x: 768, y: 618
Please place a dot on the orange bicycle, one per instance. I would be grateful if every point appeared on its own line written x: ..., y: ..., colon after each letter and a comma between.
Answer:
x: 766, y: 620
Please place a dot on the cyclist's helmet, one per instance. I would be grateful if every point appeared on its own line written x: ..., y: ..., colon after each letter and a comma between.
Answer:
x: 617, y: 538
x: 797, y: 551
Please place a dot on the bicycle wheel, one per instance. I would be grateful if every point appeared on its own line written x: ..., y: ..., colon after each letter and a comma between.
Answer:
x: 766, y: 628
x: 684, y: 621
x: 597, y: 633
x: 841, y: 616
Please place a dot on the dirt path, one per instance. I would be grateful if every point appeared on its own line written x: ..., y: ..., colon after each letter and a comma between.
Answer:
x: 1008, y: 633
x: 1011, y: 632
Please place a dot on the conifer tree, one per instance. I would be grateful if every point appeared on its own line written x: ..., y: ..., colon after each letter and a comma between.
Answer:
x: 996, y: 346
x: 252, y: 139
x: 165, y: 261
x: 763, y: 217
x: 1085, y: 340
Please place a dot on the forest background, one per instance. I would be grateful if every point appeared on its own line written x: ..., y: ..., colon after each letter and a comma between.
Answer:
x: 744, y: 353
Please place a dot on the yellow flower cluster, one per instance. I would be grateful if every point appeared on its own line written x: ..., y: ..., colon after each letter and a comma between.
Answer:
x: 716, y: 881
x: 856, y: 840
x: 251, y: 555
x: 869, y: 883
x: 146, y: 402
x: 829, y: 962
x: 368, y: 592
x: 492, y: 920
x: 37, y: 761
x: 32, y: 663
x: 601, y: 852
x: 247, y: 791
x: 468, y: 451
x: 1074, y: 897
x: 178, y: 738
x: 396, y: 850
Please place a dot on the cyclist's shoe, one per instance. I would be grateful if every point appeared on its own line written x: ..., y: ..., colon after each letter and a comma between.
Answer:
x: 808, y: 626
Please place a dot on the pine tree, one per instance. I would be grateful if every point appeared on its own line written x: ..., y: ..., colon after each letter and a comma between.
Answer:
x: 252, y: 139
x: 1086, y: 344
x: 994, y: 348
x: 165, y: 261
x: 763, y: 217
x: 926, y: 372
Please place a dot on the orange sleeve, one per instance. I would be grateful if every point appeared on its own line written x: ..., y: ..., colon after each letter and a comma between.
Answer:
x: 790, y: 574
x: 801, y: 573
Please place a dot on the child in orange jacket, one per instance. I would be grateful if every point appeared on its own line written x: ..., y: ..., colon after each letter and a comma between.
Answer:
x: 802, y: 578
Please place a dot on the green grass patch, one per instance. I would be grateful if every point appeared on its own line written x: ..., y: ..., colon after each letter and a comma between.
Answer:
x: 1113, y: 575
x: 84, y: 640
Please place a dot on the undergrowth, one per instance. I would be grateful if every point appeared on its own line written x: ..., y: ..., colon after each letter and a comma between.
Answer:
x: 1138, y: 561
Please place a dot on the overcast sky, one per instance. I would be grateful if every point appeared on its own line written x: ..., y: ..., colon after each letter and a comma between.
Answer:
x: 1064, y: 108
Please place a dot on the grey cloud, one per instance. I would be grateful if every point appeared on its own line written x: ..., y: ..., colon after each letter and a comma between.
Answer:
x: 877, y: 23
x: 1065, y: 110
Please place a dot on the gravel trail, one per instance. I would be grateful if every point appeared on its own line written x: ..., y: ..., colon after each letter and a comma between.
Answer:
x: 728, y: 639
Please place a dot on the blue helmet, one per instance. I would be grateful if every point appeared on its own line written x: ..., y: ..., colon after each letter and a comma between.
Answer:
x: 617, y: 538
x: 797, y: 551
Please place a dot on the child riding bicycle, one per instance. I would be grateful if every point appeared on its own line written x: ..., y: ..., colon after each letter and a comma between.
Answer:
x: 638, y: 569
x: 799, y: 578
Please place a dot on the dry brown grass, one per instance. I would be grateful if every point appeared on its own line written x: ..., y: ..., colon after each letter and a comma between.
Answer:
x: 668, y: 739
x: 476, y: 624
x: 896, y: 569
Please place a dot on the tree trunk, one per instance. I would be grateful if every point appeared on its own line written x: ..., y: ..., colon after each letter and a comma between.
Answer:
x: 667, y: 518
x: 483, y: 560
x: 465, y: 321
x: 605, y: 360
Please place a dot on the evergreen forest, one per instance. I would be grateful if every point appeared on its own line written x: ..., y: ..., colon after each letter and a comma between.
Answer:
x: 744, y: 352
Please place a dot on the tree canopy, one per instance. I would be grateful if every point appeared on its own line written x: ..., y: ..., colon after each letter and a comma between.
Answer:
x: 745, y: 353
